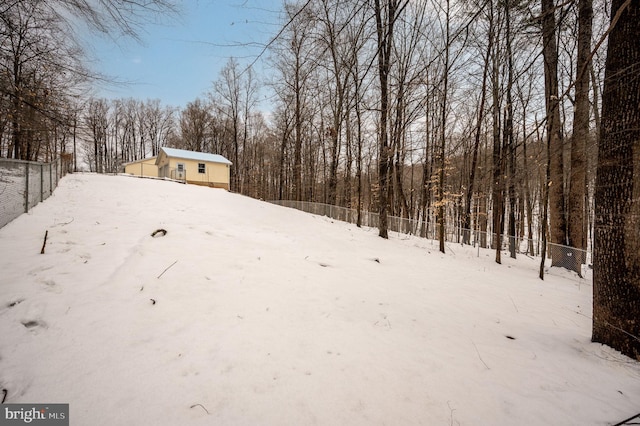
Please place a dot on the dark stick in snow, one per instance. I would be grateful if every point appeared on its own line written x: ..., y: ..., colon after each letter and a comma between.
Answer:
x: 196, y: 405
x: 626, y: 422
x: 46, y: 233
x: 169, y: 267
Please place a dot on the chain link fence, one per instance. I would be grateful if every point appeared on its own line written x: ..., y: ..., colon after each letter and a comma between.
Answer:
x: 570, y: 258
x: 23, y: 184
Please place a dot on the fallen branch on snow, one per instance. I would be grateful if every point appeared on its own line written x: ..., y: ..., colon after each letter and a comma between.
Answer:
x: 514, y: 304
x: 200, y: 405
x: 479, y: 356
x: 64, y: 223
x: 46, y: 233
x: 169, y: 267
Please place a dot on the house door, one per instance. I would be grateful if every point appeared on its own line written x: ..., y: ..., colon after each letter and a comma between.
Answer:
x: 180, y: 171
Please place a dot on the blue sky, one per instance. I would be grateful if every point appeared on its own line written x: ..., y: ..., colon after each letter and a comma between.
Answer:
x: 177, y: 61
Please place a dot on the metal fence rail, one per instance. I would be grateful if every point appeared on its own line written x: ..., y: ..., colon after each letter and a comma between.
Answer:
x: 567, y: 257
x: 23, y: 184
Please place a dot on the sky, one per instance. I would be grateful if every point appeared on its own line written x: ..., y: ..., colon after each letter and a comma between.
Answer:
x: 248, y: 313
x: 178, y: 59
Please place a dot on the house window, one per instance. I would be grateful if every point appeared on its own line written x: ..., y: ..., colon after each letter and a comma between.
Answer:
x: 180, y: 167
x: 200, y: 167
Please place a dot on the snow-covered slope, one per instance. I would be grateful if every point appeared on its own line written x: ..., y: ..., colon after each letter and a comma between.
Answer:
x: 247, y: 313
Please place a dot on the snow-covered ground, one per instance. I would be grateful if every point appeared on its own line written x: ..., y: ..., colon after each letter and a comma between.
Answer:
x: 246, y: 313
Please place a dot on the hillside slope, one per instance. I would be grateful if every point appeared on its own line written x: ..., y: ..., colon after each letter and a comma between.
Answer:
x: 247, y: 313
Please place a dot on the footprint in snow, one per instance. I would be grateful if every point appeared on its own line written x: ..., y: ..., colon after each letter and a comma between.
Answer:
x: 14, y: 303
x: 51, y: 285
x: 11, y: 304
x: 34, y: 325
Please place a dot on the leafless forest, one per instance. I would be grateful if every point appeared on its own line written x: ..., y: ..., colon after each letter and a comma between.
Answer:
x: 479, y: 114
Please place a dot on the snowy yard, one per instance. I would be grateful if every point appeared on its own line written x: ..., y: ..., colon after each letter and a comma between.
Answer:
x: 247, y: 313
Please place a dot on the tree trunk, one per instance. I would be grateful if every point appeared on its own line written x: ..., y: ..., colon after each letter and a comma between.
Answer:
x: 476, y: 143
x: 508, y: 136
x: 359, y: 164
x: 297, y: 146
x: 282, y: 158
x: 358, y: 113
x: 497, y: 195
x: 384, y: 32
x: 545, y: 212
x: 557, y: 220
x: 577, y: 191
x: 528, y: 201
x: 425, y: 193
x: 348, y: 165
x: 616, y: 280
x: 441, y: 154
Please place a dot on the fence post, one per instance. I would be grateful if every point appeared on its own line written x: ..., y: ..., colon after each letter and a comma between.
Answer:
x: 26, y: 189
x: 41, y: 182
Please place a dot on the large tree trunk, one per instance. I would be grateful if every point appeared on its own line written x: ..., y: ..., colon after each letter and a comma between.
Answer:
x: 616, y: 281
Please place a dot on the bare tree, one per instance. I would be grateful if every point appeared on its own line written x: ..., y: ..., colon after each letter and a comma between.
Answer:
x: 555, y: 138
x: 159, y: 124
x: 335, y: 20
x: 407, y: 101
x: 294, y: 59
x: 577, y: 199
x: 385, y: 15
x: 508, y: 136
x: 248, y: 118
x: 227, y: 99
x: 40, y: 66
x: 477, y: 134
x: 233, y: 97
x: 195, y: 125
x: 116, y: 17
x: 357, y: 41
x: 43, y: 66
x: 441, y: 152
x: 96, y: 121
